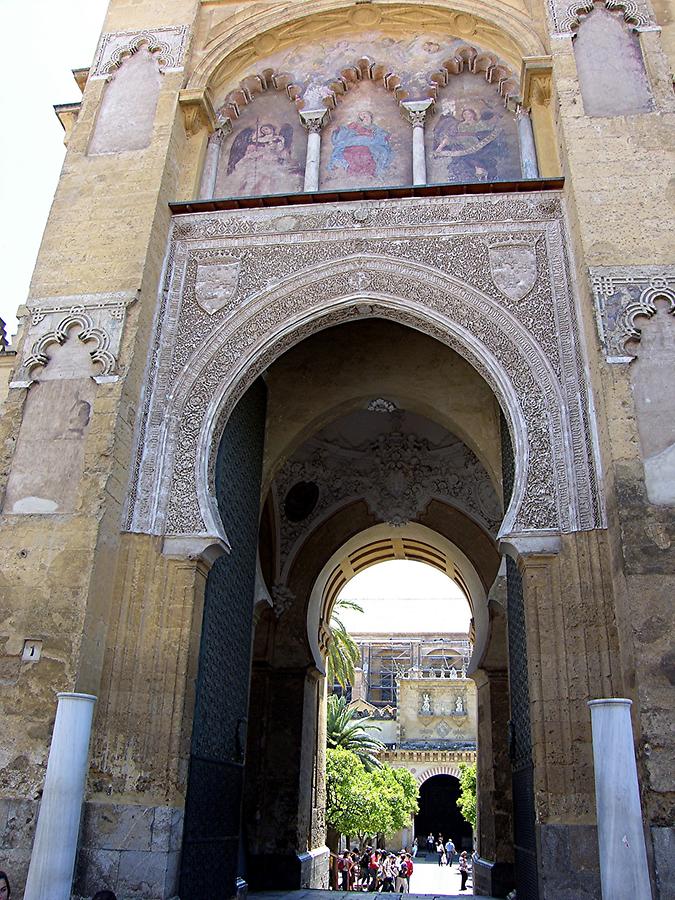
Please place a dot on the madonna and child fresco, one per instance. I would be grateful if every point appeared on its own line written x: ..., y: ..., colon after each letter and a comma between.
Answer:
x: 366, y: 143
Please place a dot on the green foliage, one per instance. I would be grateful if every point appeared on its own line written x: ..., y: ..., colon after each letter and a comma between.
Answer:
x: 343, y: 730
x: 467, y: 792
x: 364, y: 803
x: 343, y: 654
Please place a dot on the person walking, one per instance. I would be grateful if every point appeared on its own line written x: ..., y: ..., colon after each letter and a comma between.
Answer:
x: 415, y: 848
x: 388, y: 873
x: 430, y: 844
x: 401, y: 883
x: 343, y: 867
x: 440, y: 850
x: 373, y: 866
x: 363, y: 869
x: 463, y: 869
x: 450, y: 851
x: 410, y: 866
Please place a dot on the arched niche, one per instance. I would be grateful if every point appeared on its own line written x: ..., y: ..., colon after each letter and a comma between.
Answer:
x: 384, y: 542
x: 367, y: 143
x: 231, y: 51
x: 265, y: 151
x: 126, y: 114
x: 654, y: 406
x: 473, y: 135
x: 612, y: 75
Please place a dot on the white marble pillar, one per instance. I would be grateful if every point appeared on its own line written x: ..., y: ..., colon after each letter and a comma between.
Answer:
x: 313, y: 120
x: 623, y: 858
x: 528, y: 151
x: 415, y: 111
x: 52, y: 862
x: 207, y: 187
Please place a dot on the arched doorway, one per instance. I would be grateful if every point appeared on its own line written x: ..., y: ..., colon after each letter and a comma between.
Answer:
x: 439, y: 813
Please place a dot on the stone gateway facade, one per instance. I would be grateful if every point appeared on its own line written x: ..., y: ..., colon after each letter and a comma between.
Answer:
x: 323, y: 284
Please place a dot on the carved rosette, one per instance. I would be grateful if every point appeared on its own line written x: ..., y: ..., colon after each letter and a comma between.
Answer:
x: 294, y: 279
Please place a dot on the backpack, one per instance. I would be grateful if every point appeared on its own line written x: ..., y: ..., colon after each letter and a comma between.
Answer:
x: 403, y: 869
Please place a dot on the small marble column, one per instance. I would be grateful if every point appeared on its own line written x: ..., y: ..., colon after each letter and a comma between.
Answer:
x: 207, y: 187
x: 50, y: 874
x: 313, y: 120
x: 623, y: 857
x: 528, y: 151
x: 415, y: 111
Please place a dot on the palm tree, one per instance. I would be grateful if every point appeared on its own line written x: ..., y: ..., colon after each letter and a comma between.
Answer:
x: 343, y: 654
x: 348, y: 733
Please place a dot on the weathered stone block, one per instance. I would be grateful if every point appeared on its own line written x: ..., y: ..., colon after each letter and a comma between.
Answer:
x: 118, y: 827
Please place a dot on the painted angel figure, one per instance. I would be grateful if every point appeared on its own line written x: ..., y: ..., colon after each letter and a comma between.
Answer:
x: 260, y: 159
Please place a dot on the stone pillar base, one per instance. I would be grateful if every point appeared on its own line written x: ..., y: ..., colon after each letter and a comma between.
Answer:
x: 569, y: 862
x: 131, y: 850
x: 492, y: 879
x: 663, y: 839
x: 289, y: 872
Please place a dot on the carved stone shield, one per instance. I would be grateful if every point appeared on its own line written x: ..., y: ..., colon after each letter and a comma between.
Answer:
x: 514, y: 268
x: 216, y: 284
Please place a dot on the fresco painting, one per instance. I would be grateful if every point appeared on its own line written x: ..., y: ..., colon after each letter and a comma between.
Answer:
x: 472, y: 137
x: 265, y: 154
x: 367, y: 143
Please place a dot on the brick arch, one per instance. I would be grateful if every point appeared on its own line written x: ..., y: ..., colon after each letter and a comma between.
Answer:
x: 436, y: 770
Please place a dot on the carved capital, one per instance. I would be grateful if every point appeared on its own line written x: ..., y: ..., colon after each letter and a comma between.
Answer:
x: 314, y: 119
x: 198, y: 111
x: 415, y: 111
x: 536, y: 80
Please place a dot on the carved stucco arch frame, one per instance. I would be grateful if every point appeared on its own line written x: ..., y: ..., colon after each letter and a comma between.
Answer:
x: 515, y: 26
x: 240, y: 349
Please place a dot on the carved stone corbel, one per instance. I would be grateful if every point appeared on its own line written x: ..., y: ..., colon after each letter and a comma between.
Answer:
x: 67, y: 114
x: 198, y: 111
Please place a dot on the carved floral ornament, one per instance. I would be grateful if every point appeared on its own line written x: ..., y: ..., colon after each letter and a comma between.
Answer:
x: 295, y: 279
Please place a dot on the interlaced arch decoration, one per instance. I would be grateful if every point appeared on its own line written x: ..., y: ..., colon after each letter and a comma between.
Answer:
x: 633, y: 13
x: 253, y: 86
x: 87, y: 333
x: 203, y: 367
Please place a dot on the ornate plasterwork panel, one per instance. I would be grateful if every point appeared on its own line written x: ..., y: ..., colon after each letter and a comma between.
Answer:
x: 168, y: 43
x: 424, y: 263
x: 565, y: 16
x: 622, y: 294
x: 398, y: 468
x: 96, y: 319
